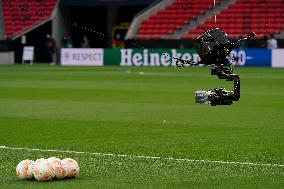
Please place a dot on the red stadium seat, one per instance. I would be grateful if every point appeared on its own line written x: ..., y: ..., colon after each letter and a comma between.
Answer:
x: 239, y: 18
x: 16, y: 19
x: 245, y: 16
x: 171, y: 18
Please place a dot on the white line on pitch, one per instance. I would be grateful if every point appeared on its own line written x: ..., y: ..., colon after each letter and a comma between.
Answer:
x: 148, y: 157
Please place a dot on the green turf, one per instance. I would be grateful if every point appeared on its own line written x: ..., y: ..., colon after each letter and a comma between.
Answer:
x: 107, y: 110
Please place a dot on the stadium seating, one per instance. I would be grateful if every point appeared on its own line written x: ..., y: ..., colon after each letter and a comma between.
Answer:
x: 23, y: 15
x: 244, y: 17
x: 172, y: 17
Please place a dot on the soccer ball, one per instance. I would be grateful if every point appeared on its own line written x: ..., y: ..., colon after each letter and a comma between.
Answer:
x: 24, y: 169
x: 71, y: 166
x: 43, y: 170
x: 60, y: 172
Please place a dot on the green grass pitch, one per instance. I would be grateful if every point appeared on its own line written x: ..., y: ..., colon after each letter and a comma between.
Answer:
x: 108, y: 110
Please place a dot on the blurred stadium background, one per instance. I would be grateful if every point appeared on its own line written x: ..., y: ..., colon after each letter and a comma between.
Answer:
x: 126, y: 23
x: 125, y: 97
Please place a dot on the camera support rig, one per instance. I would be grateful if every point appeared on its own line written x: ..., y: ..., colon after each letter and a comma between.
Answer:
x: 214, y: 49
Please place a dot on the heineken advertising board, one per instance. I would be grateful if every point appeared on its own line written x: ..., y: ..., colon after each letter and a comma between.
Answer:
x: 164, y: 57
x: 147, y: 57
x: 161, y: 57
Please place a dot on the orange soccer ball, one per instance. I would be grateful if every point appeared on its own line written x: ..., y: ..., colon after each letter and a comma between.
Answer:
x: 43, y: 170
x: 71, y: 166
x: 24, y: 169
x: 60, y: 171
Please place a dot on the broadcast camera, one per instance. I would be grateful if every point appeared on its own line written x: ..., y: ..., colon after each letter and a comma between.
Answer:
x: 214, y: 48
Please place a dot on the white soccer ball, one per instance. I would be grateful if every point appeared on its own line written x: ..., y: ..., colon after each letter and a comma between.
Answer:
x: 24, y: 169
x: 43, y: 170
x: 71, y: 166
x: 60, y: 171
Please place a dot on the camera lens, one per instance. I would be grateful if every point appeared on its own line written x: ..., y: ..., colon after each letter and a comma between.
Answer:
x: 201, y: 97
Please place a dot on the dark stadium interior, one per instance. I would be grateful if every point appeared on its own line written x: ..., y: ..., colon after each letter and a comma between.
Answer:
x: 97, y: 18
x: 30, y: 18
x: 91, y: 17
x: 36, y: 38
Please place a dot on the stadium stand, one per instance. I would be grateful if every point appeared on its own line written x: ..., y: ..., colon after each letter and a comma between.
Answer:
x: 239, y: 18
x: 172, y: 17
x: 22, y: 15
x: 246, y: 16
x: 1, y: 24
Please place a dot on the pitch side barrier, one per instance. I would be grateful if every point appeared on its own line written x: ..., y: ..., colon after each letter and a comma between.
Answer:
x: 163, y: 57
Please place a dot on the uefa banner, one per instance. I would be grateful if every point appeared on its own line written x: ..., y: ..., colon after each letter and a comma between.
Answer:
x: 82, y: 57
x: 164, y: 57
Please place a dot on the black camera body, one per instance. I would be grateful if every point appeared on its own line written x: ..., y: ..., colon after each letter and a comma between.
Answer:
x: 217, y: 96
x: 220, y: 96
x: 214, y: 48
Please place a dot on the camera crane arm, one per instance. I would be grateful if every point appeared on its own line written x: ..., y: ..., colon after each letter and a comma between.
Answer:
x: 213, y: 47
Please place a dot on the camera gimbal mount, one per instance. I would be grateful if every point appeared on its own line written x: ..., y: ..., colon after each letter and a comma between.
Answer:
x: 214, y: 48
